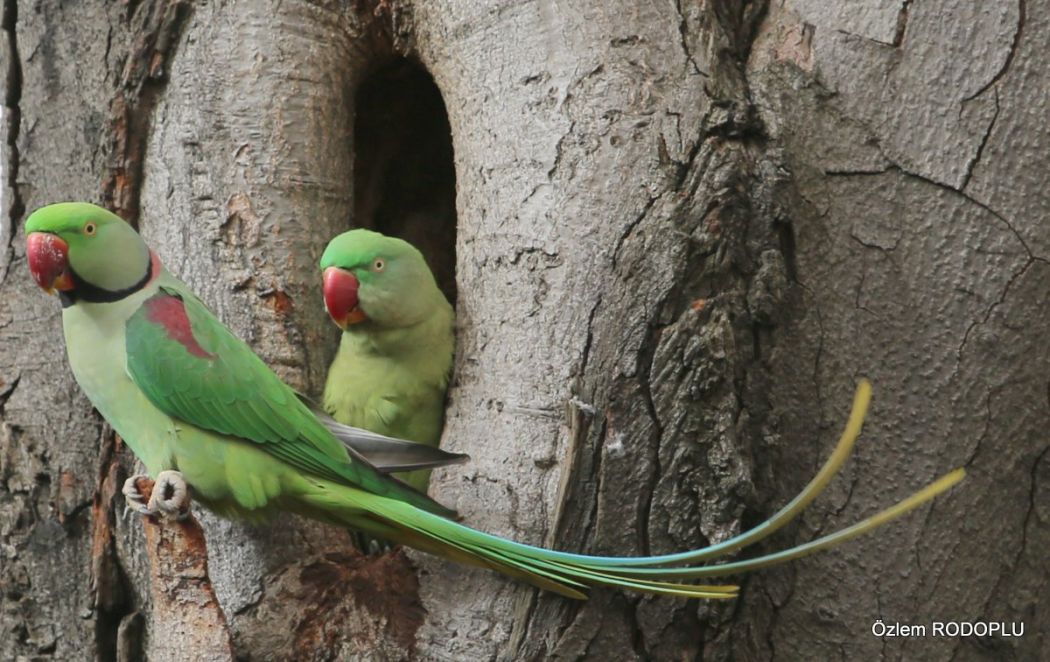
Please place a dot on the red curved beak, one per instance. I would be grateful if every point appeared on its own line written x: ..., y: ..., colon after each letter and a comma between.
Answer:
x: 49, y: 262
x: 340, y: 297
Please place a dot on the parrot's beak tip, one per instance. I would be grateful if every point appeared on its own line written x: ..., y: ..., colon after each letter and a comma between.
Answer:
x: 48, y: 258
x: 339, y: 321
x: 340, y: 297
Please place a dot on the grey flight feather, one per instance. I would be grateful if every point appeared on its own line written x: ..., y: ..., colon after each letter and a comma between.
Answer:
x: 386, y: 454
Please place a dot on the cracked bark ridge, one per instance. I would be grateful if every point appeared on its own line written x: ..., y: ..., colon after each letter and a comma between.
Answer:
x: 153, y: 29
x: 186, y: 619
x: 113, y: 598
x: 919, y: 239
x: 346, y: 606
x: 639, y: 324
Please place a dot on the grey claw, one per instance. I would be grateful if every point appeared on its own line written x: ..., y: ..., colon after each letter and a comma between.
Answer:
x: 171, y: 496
x: 133, y: 499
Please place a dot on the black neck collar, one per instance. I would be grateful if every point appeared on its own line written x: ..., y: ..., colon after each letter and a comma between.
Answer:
x: 85, y: 291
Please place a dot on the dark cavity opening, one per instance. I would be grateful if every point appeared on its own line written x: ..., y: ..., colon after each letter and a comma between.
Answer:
x: 404, y: 175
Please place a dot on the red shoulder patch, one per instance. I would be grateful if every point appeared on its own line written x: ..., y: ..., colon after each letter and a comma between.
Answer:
x: 169, y: 312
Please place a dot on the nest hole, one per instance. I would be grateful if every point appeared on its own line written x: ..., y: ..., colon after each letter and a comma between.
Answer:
x: 404, y: 173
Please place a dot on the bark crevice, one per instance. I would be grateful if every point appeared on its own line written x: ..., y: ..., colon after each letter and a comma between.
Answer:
x: 15, y: 207
x: 980, y: 148
x: 155, y: 26
x: 1022, y: 8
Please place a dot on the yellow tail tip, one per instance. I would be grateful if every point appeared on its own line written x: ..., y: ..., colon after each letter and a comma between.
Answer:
x: 954, y: 476
x: 862, y: 397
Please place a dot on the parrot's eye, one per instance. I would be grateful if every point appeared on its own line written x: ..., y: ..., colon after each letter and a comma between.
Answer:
x: 379, y: 264
x: 90, y: 229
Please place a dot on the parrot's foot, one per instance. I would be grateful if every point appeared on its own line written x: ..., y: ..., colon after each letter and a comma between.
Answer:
x: 133, y: 497
x: 169, y: 496
x: 370, y: 546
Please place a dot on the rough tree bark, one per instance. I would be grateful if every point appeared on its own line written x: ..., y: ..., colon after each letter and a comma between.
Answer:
x: 683, y: 230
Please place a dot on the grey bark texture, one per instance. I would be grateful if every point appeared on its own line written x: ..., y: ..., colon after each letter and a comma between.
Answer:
x: 684, y: 230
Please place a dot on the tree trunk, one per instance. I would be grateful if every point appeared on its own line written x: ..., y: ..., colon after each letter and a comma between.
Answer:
x: 682, y: 231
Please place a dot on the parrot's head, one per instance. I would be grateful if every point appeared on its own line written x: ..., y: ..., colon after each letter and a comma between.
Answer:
x: 371, y: 279
x: 79, y: 248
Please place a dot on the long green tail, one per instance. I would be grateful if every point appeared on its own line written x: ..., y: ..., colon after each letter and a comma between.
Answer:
x: 571, y: 574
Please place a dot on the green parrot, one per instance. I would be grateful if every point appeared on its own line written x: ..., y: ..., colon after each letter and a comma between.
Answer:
x: 395, y: 355
x: 203, y: 412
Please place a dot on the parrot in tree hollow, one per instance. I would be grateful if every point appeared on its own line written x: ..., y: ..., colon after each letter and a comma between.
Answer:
x: 198, y: 407
x: 395, y: 354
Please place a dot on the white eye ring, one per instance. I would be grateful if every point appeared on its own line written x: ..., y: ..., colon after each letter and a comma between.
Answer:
x: 379, y: 264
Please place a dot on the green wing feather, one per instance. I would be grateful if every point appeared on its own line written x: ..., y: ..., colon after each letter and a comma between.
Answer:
x: 194, y: 369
